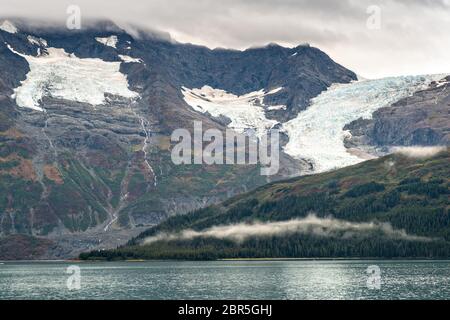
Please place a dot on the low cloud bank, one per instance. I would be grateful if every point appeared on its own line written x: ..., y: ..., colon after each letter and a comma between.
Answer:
x: 311, y: 225
x: 419, y: 152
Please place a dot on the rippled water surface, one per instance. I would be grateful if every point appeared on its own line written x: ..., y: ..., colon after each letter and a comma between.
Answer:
x: 227, y: 280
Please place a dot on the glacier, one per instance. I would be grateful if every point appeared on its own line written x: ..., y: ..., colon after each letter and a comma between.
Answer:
x: 317, y: 134
x: 58, y: 74
x: 245, y: 112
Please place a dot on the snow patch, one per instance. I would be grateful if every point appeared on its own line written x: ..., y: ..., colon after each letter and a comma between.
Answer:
x: 280, y: 107
x: 37, y: 41
x: 8, y: 27
x: 61, y: 75
x: 110, y: 41
x: 128, y: 59
x: 246, y: 112
x: 442, y: 82
x: 317, y: 133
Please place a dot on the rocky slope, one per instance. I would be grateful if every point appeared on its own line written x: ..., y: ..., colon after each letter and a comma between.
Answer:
x: 86, y: 118
x: 394, y: 206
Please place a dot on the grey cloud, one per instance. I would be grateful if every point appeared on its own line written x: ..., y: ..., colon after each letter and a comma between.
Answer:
x: 413, y: 38
x: 311, y: 225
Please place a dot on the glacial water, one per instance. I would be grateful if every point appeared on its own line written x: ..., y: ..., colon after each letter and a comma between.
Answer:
x: 226, y: 280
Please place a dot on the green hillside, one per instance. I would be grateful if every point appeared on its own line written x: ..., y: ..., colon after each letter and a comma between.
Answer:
x: 411, y: 194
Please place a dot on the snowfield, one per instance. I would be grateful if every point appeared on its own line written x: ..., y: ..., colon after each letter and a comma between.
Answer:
x: 245, y: 112
x: 57, y: 74
x: 317, y: 133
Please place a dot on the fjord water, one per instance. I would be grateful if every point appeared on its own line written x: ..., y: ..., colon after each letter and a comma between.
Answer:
x: 227, y: 280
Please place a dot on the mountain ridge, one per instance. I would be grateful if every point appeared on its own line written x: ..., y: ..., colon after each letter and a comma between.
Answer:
x: 99, y: 154
x: 111, y: 154
x: 409, y: 193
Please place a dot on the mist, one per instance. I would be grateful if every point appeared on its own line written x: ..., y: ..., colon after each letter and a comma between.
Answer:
x: 311, y: 225
x: 419, y: 151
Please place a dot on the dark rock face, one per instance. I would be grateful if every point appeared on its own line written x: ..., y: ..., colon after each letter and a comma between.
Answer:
x: 81, y: 171
x: 422, y: 119
x: 303, y: 72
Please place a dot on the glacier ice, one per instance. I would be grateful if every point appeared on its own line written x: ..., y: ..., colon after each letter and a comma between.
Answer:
x: 55, y: 73
x: 317, y: 134
x: 245, y: 112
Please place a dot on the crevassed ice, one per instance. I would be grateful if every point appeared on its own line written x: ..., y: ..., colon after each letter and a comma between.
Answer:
x: 110, y: 41
x: 61, y: 75
x: 317, y: 133
x: 245, y: 112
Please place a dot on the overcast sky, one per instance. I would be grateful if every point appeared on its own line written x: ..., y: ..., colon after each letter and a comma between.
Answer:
x: 413, y: 35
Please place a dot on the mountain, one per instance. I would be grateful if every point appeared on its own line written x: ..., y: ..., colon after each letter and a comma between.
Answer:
x: 394, y: 206
x: 86, y: 118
